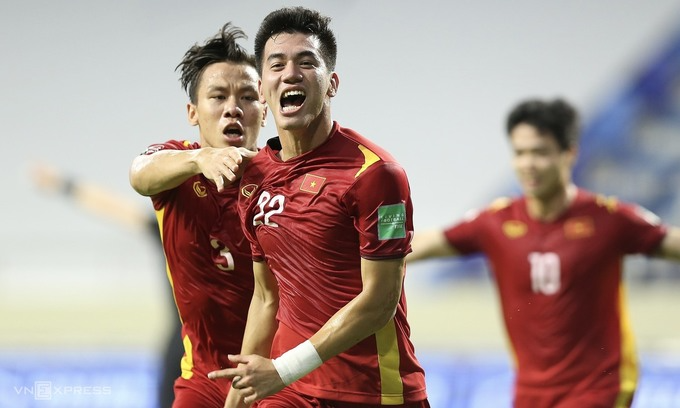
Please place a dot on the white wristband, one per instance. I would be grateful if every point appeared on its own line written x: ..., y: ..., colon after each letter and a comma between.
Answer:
x: 297, y: 362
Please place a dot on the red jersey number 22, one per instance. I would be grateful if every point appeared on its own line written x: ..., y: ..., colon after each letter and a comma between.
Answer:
x: 267, y: 207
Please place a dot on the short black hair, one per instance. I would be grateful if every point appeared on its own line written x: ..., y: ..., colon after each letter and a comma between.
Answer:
x: 220, y: 48
x: 297, y: 20
x: 554, y: 117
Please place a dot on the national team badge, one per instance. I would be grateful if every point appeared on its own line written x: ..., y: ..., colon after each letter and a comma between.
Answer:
x: 514, y: 229
x: 392, y: 221
x: 200, y: 189
x: 312, y: 184
x: 248, y: 190
x: 579, y: 227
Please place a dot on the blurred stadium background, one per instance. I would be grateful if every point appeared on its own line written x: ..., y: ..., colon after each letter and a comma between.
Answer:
x: 87, y: 85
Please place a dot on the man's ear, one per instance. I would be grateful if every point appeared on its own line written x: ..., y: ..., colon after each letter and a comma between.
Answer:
x: 192, y: 114
x: 264, y: 117
x: 259, y: 91
x: 335, y: 83
x: 572, y: 156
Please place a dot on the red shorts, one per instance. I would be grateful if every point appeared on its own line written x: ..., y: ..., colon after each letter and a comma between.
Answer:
x: 200, y: 392
x: 590, y: 398
x: 288, y: 398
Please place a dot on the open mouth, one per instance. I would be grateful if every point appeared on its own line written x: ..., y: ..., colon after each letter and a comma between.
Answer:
x: 292, y: 100
x: 233, y: 132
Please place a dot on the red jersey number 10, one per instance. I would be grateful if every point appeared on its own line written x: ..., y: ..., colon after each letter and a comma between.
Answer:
x: 545, y: 272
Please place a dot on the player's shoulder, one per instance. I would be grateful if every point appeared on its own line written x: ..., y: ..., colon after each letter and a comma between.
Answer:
x: 598, y: 201
x: 614, y: 206
x: 370, y: 150
x: 500, y: 203
x: 606, y: 202
x: 495, y: 207
x: 366, y: 159
x: 172, y: 144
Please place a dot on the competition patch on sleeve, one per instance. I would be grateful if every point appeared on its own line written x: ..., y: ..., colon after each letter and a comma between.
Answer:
x: 153, y: 149
x: 391, y: 221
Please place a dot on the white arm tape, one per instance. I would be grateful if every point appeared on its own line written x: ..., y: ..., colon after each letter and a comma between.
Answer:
x: 297, y: 362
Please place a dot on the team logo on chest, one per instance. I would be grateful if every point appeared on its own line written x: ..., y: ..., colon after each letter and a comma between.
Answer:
x: 248, y: 190
x: 200, y: 189
x: 579, y: 227
x: 514, y: 229
x: 312, y: 184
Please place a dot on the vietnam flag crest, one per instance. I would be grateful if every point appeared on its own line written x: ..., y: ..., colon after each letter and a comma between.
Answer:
x: 312, y: 184
x: 579, y: 227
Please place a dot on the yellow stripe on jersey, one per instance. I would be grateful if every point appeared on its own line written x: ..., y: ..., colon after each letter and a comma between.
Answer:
x: 187, y: 363
x: 500, y: 203
x: 629, y: 368
x: 610, y: 203
x: 512, y: 351
x: 369, y: 159
x: 159, y: 218
x: 392, y: 392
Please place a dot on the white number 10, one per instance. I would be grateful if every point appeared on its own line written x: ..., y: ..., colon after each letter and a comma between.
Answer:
x: 545, y: 272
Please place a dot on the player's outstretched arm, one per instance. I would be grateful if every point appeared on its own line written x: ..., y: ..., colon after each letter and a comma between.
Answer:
x: 430, y: 244
x: 670, y: 245
x: 92, y: 197
x: 164, y: 170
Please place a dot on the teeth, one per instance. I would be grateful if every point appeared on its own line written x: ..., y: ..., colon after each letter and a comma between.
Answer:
x: 289, y: 108
x: 293, y: 93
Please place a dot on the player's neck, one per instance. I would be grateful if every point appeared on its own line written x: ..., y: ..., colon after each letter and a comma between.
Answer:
x: 295, y: 142
x: 550, y: 208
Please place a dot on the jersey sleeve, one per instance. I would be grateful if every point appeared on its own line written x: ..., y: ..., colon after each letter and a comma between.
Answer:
x: 380, y: 204
x: 642, y: 230
x: 161, y: 199
x: 465, y: 235
x: 169, y: 145
x: 248, y: 185
x: 248, y: 231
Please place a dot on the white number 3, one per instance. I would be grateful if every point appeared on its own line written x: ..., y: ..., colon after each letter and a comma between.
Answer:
x: 545, y: 272
x: 226, y: 260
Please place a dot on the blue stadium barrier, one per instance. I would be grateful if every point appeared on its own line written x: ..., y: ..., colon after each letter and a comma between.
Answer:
x: 128, y: 380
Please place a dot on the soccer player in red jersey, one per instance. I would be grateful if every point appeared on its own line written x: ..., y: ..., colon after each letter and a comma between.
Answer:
x: 556, y: 255
x: 329, y: 217
x: 209, y: 262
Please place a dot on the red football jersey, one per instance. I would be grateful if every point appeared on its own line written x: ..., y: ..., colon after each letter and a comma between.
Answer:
x: 209, y: 266
x: 313, y: 218
x: 561, y: 292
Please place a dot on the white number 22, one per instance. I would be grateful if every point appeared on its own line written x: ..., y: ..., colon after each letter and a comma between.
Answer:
x: 268, y: 206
